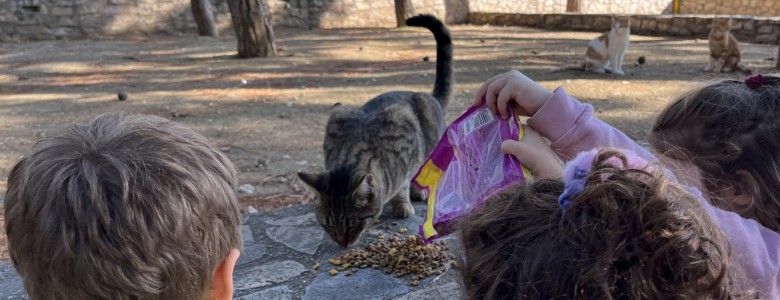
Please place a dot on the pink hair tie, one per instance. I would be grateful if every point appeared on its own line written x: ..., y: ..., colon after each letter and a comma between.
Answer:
x: 755, y: 81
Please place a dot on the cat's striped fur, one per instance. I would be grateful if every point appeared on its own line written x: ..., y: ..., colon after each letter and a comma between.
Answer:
x: 372, y: 152
x: 724, y: 49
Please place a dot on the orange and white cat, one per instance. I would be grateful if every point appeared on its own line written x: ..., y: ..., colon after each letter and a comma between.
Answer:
x: 605, y: 53
x: 724, y: 49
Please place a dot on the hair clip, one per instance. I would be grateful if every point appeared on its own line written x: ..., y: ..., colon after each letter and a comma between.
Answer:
x: 755, y: 81
x: 577, y: 170
x: 572, y: 188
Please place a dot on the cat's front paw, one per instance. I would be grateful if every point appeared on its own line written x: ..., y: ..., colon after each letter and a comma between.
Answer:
x: 727, y: 70
x: 618, y: 72
x: 403, y: 210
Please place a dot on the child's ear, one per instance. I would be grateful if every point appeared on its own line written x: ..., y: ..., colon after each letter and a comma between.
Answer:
x: 741, y: 192
x: 222, y: 281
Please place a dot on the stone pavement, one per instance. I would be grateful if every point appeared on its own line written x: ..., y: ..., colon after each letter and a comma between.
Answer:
x: 280, y: 248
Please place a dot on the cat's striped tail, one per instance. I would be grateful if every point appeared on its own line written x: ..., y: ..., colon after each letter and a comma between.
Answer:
x: 442, y: 88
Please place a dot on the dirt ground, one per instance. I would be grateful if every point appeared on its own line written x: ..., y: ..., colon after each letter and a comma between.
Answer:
x: 269, y: 114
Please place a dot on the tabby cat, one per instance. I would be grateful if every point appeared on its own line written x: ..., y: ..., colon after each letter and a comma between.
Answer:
x: 724, y: 49
x: 372, y: 152
x: 605, y: 53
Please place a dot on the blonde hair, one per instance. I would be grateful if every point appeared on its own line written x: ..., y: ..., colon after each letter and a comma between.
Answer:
x: 122, y: 207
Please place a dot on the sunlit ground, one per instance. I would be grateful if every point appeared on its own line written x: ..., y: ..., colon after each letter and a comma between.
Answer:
x: 274, y: 109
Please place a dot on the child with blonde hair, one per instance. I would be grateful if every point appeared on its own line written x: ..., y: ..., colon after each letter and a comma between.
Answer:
x: 124, y: 207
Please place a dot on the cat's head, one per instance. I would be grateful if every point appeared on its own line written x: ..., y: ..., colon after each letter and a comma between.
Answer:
x: 347, y: 203
x: 621, y: 24
x: 721, y: 26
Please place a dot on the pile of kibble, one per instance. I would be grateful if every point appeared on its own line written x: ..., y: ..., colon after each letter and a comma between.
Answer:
x: 398, y: 255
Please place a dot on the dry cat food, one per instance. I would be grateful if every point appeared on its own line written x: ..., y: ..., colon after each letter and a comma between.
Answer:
x: 398, y: 256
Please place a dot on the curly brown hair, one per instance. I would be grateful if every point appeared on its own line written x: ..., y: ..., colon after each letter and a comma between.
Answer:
x: 122, y: 207
x: 727, y: 129
x: 629, y: 234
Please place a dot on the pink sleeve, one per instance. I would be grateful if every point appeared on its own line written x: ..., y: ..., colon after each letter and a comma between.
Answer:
x: 571, y: 128
x: 754, y: 248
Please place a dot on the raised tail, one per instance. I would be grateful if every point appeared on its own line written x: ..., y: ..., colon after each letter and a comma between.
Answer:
x: 442, y: 88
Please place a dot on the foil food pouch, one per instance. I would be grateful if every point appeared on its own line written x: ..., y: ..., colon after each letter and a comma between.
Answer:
x: 467, y: 167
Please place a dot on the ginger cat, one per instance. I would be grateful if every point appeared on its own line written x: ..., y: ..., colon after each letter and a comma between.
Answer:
x: 724, y: 49
x: 605, y: 53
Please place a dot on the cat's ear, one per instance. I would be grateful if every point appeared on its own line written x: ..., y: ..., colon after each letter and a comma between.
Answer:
x: 365, y: 190
x: 315, y: 181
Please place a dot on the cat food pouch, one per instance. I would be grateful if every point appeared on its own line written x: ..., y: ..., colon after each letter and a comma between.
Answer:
x: 467, y: 167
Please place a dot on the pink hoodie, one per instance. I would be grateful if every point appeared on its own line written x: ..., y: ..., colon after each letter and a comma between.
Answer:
x: 571, y: 129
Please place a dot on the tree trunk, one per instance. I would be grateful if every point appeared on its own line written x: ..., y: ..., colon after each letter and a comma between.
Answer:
x: 777, y: 65
x: 403, y: 11
x: 204, y: 17
x: 573, y: 6
x: 252, y: 23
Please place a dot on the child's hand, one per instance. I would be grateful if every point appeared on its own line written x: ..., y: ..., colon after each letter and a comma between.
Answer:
x: 534, y: 153
x: 499, y: 90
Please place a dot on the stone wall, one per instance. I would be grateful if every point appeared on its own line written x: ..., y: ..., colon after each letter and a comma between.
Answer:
x: 745, y: 29
x: 634, y: 7
x: 768, y: 8
x: 559, y: 6
x: 380, y: 13
x: 514, y: 6
x: 57, y: 19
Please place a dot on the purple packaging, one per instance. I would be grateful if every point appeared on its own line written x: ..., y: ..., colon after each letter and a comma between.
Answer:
x: 467, y: 167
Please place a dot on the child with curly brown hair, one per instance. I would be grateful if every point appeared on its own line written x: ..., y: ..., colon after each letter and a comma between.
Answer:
x: 723, y: 137
x: 615, y: 227
x: 718, y: 138
x: 124, y: 207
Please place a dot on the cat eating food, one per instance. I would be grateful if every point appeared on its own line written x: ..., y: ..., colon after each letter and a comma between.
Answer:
x: 371, y: 152
x: 724, y: 49
x: 605, y: 53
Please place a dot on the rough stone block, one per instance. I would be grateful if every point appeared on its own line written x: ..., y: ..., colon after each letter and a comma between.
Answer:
x: 67, y: 21
x: 366, y: 284
x: 748, y: 24
x: 62, y: 11
x: 267, y: 274
x: 766, y: 28
x: 91, y: 8
x: 66, y: 32
x: 577, y: 22
x: 663, y: 24
x: 648, y: 26
x: 680, y: 26
x: 769, y: 38
x: 602, y: 22
x: 534, y: 20
x: 477, y: 18
x: 636, y: 23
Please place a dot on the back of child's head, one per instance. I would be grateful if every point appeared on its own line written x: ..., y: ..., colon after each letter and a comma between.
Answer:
x: 122, y: 207
x: 627, y: 234
x: 730, y: 130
